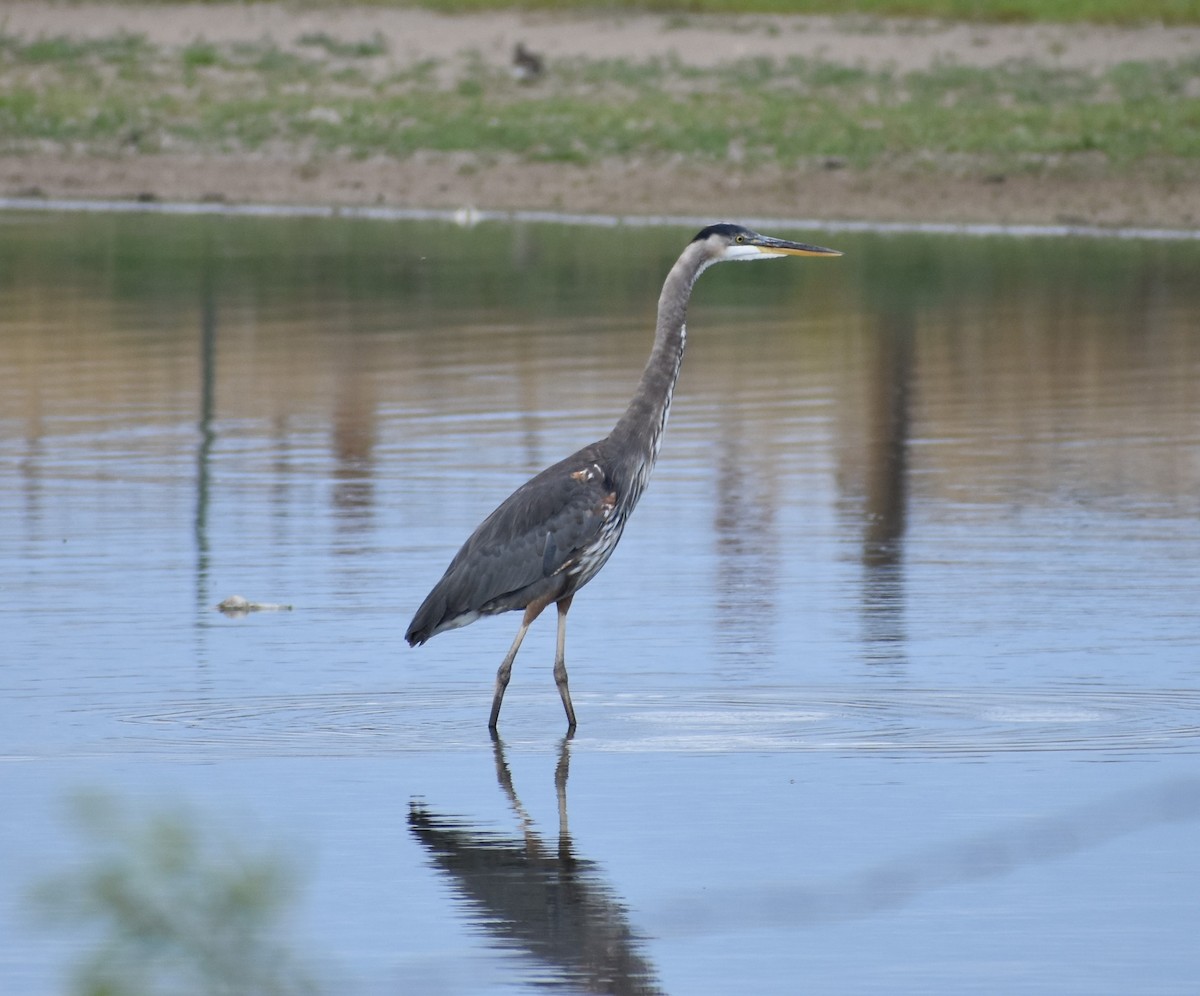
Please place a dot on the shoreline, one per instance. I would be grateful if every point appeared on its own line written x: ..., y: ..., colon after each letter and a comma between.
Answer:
x: 469, y: 217
x: 1148, y: 199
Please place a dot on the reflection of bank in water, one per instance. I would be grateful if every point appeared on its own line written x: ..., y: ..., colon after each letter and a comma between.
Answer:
x: 895, y: 883
x: 542, y: 899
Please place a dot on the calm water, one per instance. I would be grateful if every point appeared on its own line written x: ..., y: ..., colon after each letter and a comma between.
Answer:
x: 893, y: 685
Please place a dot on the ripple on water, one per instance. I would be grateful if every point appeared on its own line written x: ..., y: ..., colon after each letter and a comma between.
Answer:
x: 903, y: 721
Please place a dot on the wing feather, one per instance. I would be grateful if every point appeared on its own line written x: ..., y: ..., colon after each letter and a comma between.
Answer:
x: 521, y: 550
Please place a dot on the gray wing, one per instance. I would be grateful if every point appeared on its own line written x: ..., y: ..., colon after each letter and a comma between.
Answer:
x: 522, y: 551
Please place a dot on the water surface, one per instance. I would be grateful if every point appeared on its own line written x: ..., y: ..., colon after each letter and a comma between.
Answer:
x: 893, y: 683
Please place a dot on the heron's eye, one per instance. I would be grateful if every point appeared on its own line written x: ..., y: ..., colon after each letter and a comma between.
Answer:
x: 740, y: 238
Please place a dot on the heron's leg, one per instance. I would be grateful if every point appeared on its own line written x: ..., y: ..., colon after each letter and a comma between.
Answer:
x: 532, y: 611
x: 560, y: 661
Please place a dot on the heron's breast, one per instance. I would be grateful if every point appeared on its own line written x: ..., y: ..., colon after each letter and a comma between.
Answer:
x: 595, y: 554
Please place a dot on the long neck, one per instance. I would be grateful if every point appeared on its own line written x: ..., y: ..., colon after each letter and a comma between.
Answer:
x: 637, y: 435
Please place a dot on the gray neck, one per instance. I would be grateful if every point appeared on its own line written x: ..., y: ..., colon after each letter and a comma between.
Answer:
x: 636, y: 437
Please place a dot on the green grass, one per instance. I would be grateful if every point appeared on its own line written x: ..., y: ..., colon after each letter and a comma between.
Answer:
x: 327, y: 97
x: 375, y: 45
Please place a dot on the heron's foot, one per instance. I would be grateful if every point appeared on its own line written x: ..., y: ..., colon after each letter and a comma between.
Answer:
x: 560, y: 679
x: 502, y: 678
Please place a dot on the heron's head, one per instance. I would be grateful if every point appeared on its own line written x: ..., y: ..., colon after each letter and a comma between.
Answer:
x: 733, y: 242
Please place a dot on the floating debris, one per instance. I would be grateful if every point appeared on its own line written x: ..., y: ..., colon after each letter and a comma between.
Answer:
x: 467, y: 217
x: 236, y: 605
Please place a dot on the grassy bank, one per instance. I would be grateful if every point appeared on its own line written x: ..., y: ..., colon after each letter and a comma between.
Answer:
x: 327, y: 96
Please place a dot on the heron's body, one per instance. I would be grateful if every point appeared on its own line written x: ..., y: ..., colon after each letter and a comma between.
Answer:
x: 554, y: 533
x: 545, y: 542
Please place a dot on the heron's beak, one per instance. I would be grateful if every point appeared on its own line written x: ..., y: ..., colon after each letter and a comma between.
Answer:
x: 782, y: 248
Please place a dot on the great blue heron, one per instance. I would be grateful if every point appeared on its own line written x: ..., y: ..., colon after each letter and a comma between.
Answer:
x: 552, y: 535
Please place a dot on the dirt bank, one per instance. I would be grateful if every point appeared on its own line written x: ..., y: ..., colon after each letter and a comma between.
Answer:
x: 437, y: 181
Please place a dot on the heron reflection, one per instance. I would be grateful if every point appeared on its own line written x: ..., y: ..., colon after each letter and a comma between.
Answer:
x: 538, y: 896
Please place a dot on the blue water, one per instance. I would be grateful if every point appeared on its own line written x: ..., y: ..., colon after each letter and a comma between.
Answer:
x: 892, y: 685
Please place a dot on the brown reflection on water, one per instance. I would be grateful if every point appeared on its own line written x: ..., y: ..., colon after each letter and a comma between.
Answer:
x: 881, y: 483
x: 748, y: 546
x: 1070, y: 391
x: 207, y: 433
x: 355, y: 433
x: 888, y: 375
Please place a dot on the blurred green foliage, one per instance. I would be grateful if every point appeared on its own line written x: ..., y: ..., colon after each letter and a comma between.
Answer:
x: 168, y: 908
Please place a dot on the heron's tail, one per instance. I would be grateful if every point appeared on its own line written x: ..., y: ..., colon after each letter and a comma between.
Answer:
x: 422, y: 626
x: 425, y: 623
x: 436, y: 616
